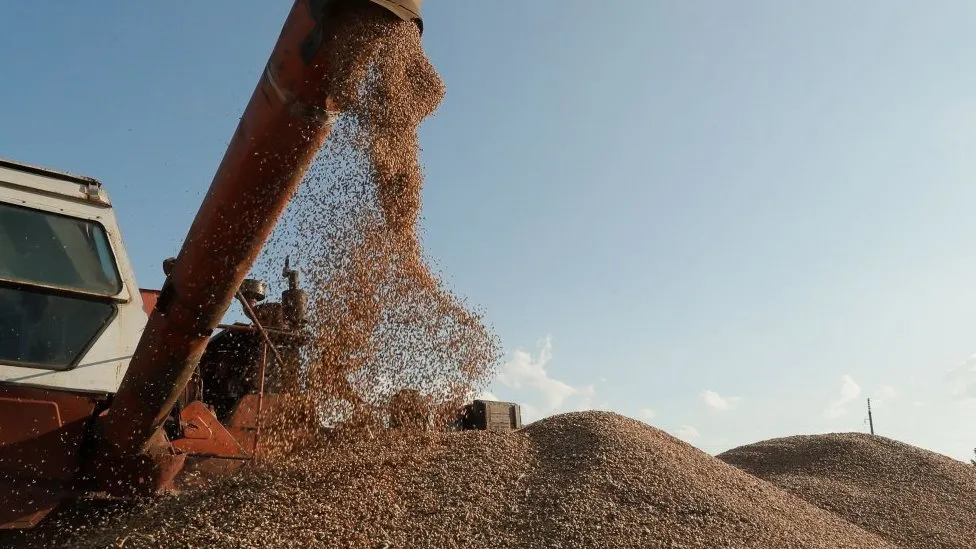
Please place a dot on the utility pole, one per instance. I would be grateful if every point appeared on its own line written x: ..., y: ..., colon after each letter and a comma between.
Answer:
x: 870, y: 419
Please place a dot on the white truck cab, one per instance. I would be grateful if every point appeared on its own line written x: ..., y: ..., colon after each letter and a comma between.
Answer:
x: 71, y: 312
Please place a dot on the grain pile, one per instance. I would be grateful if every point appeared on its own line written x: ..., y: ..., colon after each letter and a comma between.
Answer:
x: 381, y: 322
x: 913, y: 497
x: 589, y: 479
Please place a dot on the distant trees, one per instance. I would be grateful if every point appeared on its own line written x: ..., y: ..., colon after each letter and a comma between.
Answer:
x: 973, y: 461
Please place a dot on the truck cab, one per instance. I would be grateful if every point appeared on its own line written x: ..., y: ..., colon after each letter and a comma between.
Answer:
x: 70, y: 311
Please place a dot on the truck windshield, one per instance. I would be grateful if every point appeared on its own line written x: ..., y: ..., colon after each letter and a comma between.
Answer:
x: 54, y: 250
x: 42, y: 330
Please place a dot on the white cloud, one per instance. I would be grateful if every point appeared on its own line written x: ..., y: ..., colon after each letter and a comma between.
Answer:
x: 529, y: 413
x: 849, y: 390
x: 883, y: 396
x: 718, y: 402
x: 646, y: 414
x: 487, y: 395
x: 587, y: 404
x: 687, y: 433
x: 886, y: 392
x: 529, y: 372
x: 962, y: 379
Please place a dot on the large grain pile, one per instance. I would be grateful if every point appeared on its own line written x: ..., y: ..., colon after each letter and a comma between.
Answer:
x: 591, y: 479
x: 916, y: 498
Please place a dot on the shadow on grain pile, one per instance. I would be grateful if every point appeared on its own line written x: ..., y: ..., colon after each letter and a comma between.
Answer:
x: 588, y: 479
x: 912, y: 497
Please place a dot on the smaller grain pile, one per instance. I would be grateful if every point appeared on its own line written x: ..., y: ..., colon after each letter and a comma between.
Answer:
x: 602, y: 480
x: 913, y: 497
x: 581, y: 480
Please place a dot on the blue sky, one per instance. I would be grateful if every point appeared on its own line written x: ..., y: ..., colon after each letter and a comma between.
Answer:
x: 735, y: 220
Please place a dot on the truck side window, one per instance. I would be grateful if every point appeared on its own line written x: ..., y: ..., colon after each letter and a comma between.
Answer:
x: 48, y: 331
x: 55, y: 250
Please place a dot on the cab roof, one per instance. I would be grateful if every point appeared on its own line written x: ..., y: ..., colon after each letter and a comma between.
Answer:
x: 48, y: 181
x: 38, y: 170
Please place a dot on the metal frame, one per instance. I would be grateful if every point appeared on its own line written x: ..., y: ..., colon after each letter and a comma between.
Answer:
x: 265, y: 345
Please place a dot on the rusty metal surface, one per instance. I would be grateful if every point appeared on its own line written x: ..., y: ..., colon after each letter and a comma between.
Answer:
x: 33, y: 418
x: 203, y: 435
x: 141, y: 474
x: 149, y: 298
x: 244, y: 422
x: 246, y: 412
x: 42, y: 431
